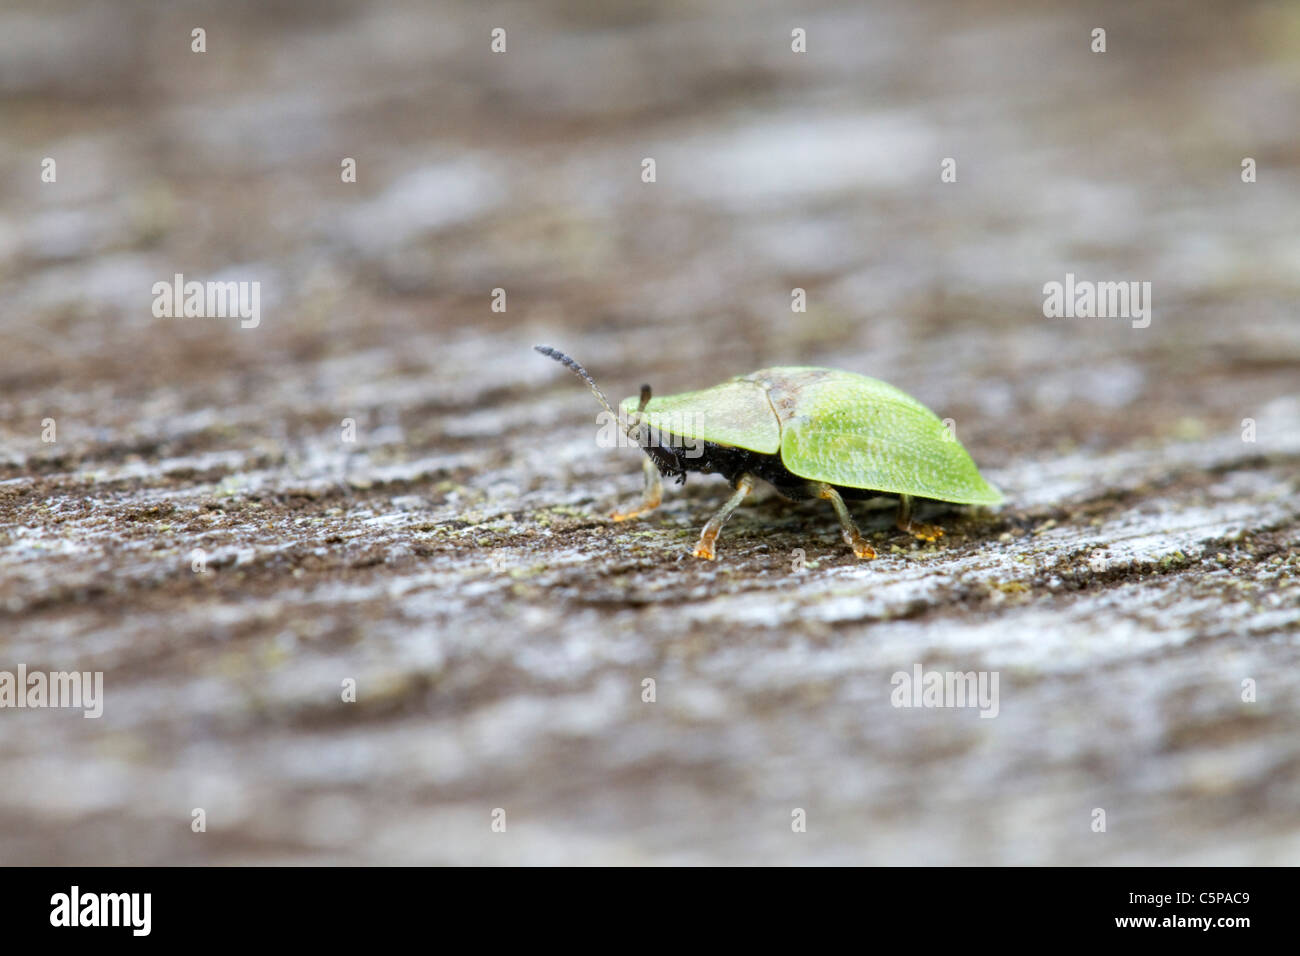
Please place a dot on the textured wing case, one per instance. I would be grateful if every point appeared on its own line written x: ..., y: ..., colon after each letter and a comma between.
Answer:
x: 859, y: 432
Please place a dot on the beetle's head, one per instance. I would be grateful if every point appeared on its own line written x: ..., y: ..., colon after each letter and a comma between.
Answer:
x: 631, y: 426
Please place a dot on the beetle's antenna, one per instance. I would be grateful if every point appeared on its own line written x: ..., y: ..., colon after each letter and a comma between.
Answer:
x: 632, y: 429
x: 578, y: 370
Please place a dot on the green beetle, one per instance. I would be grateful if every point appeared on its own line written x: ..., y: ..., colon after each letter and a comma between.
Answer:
x: 810, y: 433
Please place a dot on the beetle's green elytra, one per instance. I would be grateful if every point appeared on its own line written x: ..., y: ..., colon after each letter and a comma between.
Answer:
x: 811, y: 433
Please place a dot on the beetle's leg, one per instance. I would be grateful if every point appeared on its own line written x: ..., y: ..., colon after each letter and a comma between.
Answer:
x: 904, y: 522
x: 704, y: 549
x: 851, y: 536
x: 654, y: 493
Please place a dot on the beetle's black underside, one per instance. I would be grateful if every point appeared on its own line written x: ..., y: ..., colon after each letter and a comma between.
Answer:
x: 674, y: 459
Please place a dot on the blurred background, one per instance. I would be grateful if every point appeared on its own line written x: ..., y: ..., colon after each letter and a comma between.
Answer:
x: 454, y: 561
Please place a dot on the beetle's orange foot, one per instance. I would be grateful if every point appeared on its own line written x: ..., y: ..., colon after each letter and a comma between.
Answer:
x: 704, y: 547
x: 648, y: 505
x: 923, y: 532
x: 861, y: 550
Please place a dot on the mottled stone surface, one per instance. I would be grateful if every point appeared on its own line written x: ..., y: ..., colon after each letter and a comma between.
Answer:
x: 455, y: 560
